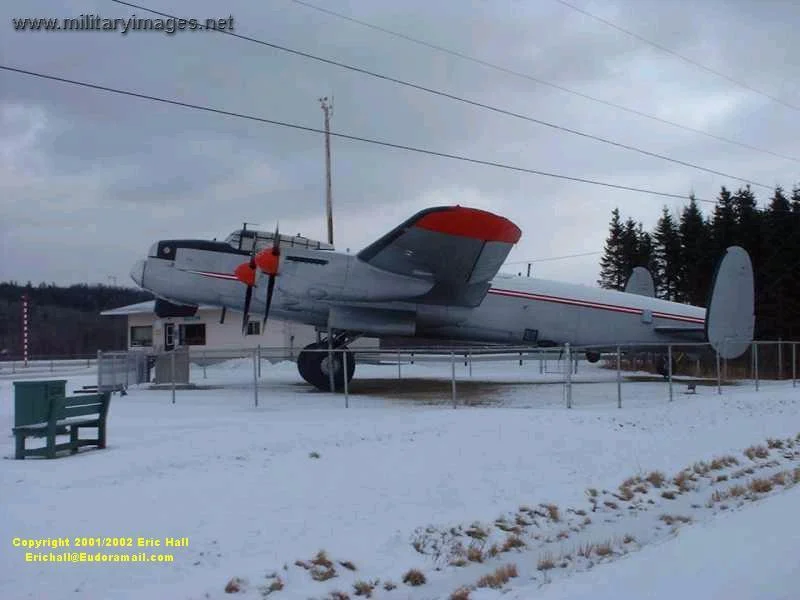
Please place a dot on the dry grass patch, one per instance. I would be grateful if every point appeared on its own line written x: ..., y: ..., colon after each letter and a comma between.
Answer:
x: 721, y: 478
x: 562, y: 535
x: 389, y: 586
x: 760, y: 486
x: 322, y: 573
x: 347, y: 565
x: 552, y: 512
x: 641, y: 488
x: 796, y: 475
x: 781, y: 478
x: 611, y: 505
x: 234, y: 585
x: 603, y: 549
x: 337, y: 595
x: 414, y: 577
x: 545, y: 563
x: 625, y: 494
x: 512, y: 542
x: 722, y: 462
x: 461, y: 593
x: 669, y: 495
x: 701, y: 468
x: 276, y: 585
x: 364, y: 588
x: 754, y: 452
x: 628, y: 539
x: 477, y: 532
x: 774, y: 443
x: 671, y: 519
x: 498, y: 578
x: 682, y: 481
x: 656, y: 479
x: 736, y: 491
x: 474, y: 554
x: 585, y: 550
x: 322, y: 560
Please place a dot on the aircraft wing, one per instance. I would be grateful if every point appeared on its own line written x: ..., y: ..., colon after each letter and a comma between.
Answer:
x: 459, y: 250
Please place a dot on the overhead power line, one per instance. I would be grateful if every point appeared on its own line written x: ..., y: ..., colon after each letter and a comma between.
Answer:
x: 556, y: 86
x: 460, y: 99
x: 565, y: 256
x: 680, y: 56
x: 219, y: 111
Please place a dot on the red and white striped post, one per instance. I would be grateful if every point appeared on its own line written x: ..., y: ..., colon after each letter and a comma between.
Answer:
x: 25, y: 329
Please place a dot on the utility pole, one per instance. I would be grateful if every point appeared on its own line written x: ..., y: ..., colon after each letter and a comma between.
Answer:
x: 328, y: 110
x: 529, y: 269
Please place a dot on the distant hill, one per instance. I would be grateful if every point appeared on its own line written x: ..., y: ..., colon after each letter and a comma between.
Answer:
x: 64, y: 321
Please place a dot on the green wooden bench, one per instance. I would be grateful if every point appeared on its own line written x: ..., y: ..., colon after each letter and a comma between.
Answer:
x: 66, y: 415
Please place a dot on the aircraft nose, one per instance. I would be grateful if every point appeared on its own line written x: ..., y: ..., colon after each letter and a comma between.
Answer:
x: 137, y: 272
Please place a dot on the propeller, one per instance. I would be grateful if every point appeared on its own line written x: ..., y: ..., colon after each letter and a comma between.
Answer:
x: 268, y: 261
x: 246, y: 273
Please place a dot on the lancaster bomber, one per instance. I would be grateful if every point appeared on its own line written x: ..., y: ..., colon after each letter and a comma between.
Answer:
x: 434, y: 276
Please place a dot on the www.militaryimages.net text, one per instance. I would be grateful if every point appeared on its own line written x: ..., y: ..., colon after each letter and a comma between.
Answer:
x: 93, y: 22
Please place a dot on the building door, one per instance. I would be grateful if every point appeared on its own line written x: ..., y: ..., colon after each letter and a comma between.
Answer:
x: 169, y: 336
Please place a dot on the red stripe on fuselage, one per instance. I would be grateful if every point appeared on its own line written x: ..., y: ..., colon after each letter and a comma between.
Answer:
x: 591, y: 304
x: 228, y: 276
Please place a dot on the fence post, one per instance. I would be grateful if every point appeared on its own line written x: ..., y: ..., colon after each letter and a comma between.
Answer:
x: 755, y: 363
x: 204, y: 365
x: 469, y: 355
x: 669, y: 370
x: 568, y: 382
x: 255, y: 377
x: 453, y: 377
x: 719, y: 376
x: 172, y: 371
x: 99, y: 369
x: 331, y: 381
x: 258, y: 351
x: 344, y: 377
x: 780, y: 359
x: 399, y: 371
x: 51, y: 365
x: 619, y: 378
x: 794, y: 364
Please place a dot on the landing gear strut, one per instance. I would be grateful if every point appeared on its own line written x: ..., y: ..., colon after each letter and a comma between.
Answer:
x: 315, y: 365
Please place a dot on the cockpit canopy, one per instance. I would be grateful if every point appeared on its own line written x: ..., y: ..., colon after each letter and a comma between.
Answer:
x: 243, y: 239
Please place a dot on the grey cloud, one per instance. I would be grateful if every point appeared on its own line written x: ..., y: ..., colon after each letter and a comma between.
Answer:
x: 107, y: 175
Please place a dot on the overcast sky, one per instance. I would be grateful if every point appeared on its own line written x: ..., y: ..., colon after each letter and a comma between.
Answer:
x: 88, y: 180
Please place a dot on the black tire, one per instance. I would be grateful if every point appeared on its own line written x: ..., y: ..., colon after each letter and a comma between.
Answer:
x: 592, y: 356
x: 311, y: 366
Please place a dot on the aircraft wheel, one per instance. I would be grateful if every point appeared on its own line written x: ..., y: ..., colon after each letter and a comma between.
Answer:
x: 592, y: 357
x: 314, y: 367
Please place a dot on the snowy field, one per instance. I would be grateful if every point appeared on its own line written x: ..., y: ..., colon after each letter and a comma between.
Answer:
x: 400, y: 480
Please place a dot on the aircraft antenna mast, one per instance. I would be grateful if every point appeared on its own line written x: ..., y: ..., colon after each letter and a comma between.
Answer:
x: 327, y: 109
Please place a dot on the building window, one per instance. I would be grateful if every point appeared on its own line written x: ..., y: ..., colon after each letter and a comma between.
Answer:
x: 253, y: 328
x: 193, y: 335
x: 142, y: 335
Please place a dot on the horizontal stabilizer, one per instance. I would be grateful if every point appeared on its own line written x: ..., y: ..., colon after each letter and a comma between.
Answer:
x: 730, y: 316
x: 457, y: 250
x: 640, y: 282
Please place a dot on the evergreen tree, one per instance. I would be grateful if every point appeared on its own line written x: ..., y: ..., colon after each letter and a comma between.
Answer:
x: 667, y: 249
x: 612, y: 264
x: 696, y: 262
x: 778, y: 250
x: 723, y: 224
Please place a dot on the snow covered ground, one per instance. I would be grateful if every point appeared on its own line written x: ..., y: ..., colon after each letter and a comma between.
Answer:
x: 401, y: 480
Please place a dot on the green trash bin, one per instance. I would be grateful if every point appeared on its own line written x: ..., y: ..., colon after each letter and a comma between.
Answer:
x: 32, y: 399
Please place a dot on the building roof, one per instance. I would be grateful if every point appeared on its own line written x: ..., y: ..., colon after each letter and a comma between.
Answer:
x: 141, y: 308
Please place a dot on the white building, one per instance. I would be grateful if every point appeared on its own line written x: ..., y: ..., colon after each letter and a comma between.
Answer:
x: 204, y: 330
